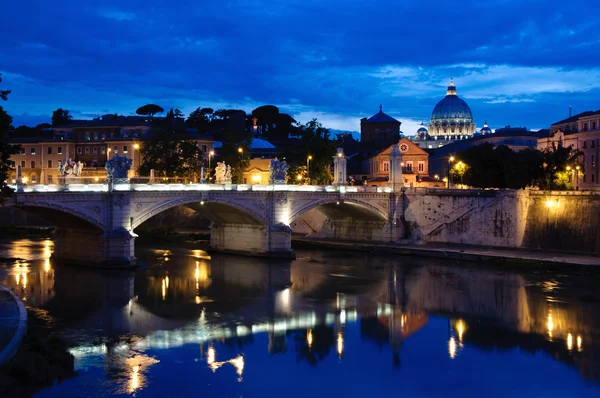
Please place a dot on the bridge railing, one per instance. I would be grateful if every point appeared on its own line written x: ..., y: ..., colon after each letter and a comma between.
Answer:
x: 159, y: 184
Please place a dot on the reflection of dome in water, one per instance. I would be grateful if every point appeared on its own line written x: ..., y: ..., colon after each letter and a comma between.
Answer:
x: 451, y: 116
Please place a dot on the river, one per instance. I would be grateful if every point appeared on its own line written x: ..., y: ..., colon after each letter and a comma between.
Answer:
x: 327, y: 324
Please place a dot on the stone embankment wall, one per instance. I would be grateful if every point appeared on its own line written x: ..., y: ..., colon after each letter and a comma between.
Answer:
x: 564, y: 221
x: 520, y: 219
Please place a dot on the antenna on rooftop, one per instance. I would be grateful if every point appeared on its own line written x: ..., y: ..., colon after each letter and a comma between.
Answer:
x: 570, y: 111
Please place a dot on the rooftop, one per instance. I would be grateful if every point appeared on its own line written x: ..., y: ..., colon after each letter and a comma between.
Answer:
x: 381, y: 117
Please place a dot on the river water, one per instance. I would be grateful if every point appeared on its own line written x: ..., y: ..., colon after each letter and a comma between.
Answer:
x: 327, y: 324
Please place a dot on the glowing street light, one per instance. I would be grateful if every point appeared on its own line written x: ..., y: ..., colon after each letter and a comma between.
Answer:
x: 210, y: 155
x: 136, y: 153
x: 308, y: 159
x: 450, y: 161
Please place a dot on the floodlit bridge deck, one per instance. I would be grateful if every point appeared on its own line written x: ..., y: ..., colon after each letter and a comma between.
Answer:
x: 197, y: 187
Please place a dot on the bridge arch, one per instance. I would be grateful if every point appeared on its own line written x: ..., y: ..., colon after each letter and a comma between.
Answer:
x: 337, y: 208
x: 217, y: 210
x: 64, y: 216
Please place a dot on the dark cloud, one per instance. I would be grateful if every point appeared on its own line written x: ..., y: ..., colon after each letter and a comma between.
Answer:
x: 510, y: 58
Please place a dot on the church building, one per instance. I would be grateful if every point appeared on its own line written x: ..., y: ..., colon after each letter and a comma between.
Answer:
x: 415, y: 166
x: 379, y: 131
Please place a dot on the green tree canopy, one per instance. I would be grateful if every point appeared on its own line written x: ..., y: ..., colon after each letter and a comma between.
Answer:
x: 172, y: 155
x: 486, y: 166
x: 200, y: 119
x: 229, y: 127
x: 314, y: 141
x: 6, y: 149
x: 149, y: 110
x: 60, y: 117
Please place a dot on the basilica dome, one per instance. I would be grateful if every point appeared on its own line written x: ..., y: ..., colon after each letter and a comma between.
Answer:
x: 452, y: 117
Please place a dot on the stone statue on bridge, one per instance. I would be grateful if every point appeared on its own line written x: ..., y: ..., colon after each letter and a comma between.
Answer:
x: 118, y: 167
x: 278, y: 171
x: 69, y: 168
x: 223, y: 173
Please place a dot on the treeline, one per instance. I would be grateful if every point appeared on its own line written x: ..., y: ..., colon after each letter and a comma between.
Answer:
x: 486, y: 166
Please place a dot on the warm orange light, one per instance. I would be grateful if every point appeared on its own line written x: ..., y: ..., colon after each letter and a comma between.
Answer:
x: 568, y: 168
x: 299, y: 177
x: 109, y: 149
x: 240, y: 150
x: 309, y: 157
x: 451, y: 159
x: 309, y: 338
x: 136, y: 146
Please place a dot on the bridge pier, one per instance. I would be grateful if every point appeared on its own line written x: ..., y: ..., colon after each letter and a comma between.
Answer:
x: 257, y: 240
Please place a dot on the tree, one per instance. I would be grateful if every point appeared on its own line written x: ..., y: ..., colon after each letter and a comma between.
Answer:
x: 229, y: 127
x: 6, y: 149
x: 555, y: 162
x: 486, y: 166
x: 314, y: 141
x: 200, y: 119
x: 171, y: 153
x: 149, y: 110
x: 272, y: 124
x: 60, y: 117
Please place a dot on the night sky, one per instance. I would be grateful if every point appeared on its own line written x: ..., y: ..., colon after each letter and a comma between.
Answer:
x: 515, y: 62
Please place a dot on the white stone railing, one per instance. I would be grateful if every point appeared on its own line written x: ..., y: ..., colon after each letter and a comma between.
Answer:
x: 97, y: 187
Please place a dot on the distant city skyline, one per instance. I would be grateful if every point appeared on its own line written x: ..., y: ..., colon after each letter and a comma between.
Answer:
x: 513, y: 63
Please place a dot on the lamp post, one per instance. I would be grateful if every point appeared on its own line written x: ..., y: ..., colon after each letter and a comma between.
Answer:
x: 308, y: 159
x: 450, y: 160
x: 210, y: 155
x: 577, y: 177
x: 136, y: 153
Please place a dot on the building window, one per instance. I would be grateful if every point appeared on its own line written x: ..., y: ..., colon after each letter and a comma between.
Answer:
x: 33, y: 178
x: 32, y: 151
x: 49, y: 164
x: 593, y: 125
x: 203, y: 148
x: 124, y: 148
x: 593, y: 177
x: 421, y: 166
x: 49, y: 150
x: 408, y: 167
x: 95, y: 150
x: 584, y: 144
x: 22, y: 164
x: 59, y: 150
x: 115, y: 149
x: 386, y: 165
x: 593, y: 159
x: 103, y: 150
x: 87, y: 150
x: 49, y: 179
x: 593, y: 143
x: 33, y: 164
x: 79, y: 151
x: 87, y: 135
x: 95, y: 135
x: 103, y: 136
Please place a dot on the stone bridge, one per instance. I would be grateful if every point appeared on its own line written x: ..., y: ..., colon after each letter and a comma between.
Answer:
x: 96, y: 225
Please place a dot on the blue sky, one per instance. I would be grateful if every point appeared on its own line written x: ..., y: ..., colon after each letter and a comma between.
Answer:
x: 515, y: 62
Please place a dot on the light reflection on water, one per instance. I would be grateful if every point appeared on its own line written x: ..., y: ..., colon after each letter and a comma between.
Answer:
x: 129, y: 330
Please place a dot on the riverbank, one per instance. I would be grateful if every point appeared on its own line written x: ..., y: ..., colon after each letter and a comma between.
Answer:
x: 499, y: 256
x: 13, y: 323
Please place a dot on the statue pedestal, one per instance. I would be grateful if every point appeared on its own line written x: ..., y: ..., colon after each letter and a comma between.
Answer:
x: 278, y: 178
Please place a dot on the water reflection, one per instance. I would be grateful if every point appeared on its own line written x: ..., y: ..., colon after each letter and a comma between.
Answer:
x: 123, y: 321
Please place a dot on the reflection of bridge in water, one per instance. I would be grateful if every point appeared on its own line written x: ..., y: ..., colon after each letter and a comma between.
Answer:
x: 201, y: 300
